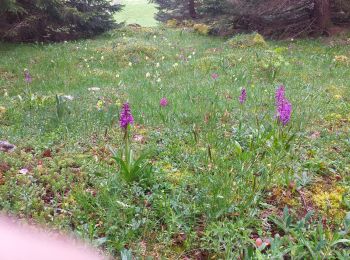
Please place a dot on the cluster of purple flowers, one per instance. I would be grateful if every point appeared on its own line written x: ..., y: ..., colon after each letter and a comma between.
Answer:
x: 163, y: 102
x: 283, y: 106
x: 126, y: 117
x: 243, y: 97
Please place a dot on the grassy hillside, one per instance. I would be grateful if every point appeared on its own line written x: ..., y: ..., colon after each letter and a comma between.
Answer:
x: 137, y: 11
x: 224, y: 174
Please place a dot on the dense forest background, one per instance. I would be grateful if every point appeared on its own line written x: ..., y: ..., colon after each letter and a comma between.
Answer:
x: 57, y: 20
x: 275, y: 18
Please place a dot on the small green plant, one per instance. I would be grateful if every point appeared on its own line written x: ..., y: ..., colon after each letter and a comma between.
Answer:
x: 126, y: 254
x: 62, y: 107
x: 271, y: 64
x: 305, y: 238
x: 131, y: 170
x: 247, y: 41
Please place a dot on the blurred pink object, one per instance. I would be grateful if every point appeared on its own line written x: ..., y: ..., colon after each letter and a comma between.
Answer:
x: 214, y: 76
x: 163, y: 102
x: 23, y: 242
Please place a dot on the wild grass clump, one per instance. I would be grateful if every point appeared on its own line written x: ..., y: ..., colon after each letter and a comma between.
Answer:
x: 130, y: 50
x: 247, y: 40
x: 201, y: 28
x: 172, y: 23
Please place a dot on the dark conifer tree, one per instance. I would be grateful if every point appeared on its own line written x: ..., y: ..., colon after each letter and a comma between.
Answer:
x: 55, y: 20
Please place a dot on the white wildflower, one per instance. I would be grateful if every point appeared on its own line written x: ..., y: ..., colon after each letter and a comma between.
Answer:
x: 94, y: 89
x: 68, y: 97
x: 23, y: 171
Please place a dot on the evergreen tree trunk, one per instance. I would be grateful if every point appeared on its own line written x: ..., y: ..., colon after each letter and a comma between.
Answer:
x: 323, y: 14
x: 192, y: 9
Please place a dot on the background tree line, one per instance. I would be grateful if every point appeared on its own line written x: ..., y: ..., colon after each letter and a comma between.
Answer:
x: 57, y: 20
x: 270, y: 17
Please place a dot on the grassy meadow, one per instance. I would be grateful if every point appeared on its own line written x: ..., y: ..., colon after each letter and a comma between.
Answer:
x: 137, y: 12
x: 227, y: 181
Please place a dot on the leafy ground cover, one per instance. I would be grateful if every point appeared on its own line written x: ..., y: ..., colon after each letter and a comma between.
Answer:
x: 227, y: 179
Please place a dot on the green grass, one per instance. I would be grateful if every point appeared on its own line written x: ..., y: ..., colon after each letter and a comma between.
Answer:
x: 222, y: 173
x: 137, y: 11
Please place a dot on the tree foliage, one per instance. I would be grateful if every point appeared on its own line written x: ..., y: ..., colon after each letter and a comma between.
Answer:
x: 269, y: 17
x: 214, y: 7
x: 187, y: 9
x: 54, y: 20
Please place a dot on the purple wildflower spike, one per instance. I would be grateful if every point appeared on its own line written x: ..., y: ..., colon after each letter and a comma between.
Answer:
x: 283, y: 106
x: 126, y: 117
x: 163, y: 102
x: 243, y: 96
x: 284, y: 111
x: 279, y: 96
